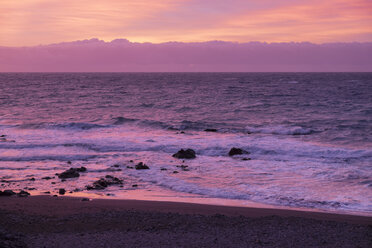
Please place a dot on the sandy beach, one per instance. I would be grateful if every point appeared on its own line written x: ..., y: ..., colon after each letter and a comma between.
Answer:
x: 44, y: 221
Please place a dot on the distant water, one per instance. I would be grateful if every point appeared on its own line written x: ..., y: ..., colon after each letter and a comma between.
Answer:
x: 309, y: 135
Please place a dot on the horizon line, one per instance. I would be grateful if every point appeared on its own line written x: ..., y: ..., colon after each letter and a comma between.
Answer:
x: 125, y: 40
x: 180, y: 72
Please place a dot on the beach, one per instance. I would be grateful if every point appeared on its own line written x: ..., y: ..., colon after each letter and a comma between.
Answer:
x: 46, y: 221
x: 185, y: 160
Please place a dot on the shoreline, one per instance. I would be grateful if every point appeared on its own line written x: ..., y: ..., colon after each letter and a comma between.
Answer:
x: 64, y: 205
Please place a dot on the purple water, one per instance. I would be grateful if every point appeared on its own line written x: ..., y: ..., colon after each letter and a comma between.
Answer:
x: 309, y: 136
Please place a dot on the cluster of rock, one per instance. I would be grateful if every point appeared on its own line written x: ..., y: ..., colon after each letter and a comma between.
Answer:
x: 109, y: 180
x: 8, y: 192
x: 72, y: 172
x: 103, y: 183
x: 190, y: 154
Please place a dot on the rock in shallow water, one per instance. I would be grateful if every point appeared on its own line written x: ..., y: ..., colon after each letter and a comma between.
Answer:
x: 237, y: 151
x: 23, y: 193
x: 103, y: 183
x: 72, y: 172
x: 141, y: 166
x: 210, y: 130
x: 187, y: 154
x: 7, y: 192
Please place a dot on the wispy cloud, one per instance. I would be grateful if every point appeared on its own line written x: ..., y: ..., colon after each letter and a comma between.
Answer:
x: 32, y: 22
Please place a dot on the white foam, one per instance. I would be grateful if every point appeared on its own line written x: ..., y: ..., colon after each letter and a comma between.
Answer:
x: 283, y: 170
x: 284, y: 130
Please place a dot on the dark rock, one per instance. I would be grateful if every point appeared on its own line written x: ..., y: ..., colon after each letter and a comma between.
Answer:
x: 32, y: 179
x: 131, y: 161
x: 175, y: 172
x: 183, y: 167
x: 187, y: 154
x: 72, y: 172
x: 134, y: 185
x: 245, y: 159
x: 141, y: 166
x: 210, y: 130
x: 163, y: 169
x: 85, y: 199
x: 7, y: 192
x: 23, y: 193
x: 116, y: 165
x: 61, y: 191
x: 55, y: 195
x: 237, y: 151
x: 182, y: 132
x: 69, y: 162
x: 130, y: 167
x: 47, y: 192
x: 103, y: 183
x: 81, y: 169
x: 47, y: 178
x: 53, y: 182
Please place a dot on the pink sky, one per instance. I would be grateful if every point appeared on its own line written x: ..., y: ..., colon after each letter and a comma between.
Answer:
x: 34, y: 22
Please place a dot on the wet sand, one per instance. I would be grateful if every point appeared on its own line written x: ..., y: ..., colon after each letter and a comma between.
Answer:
x: 44, y: 221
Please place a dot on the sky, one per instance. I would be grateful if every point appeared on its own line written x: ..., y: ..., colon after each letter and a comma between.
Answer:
x: 35, y: 22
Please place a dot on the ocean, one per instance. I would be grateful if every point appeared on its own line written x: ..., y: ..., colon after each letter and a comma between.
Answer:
x: 309, y: 137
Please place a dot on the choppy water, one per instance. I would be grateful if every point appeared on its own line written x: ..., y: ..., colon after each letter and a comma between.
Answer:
x: 310, y: 135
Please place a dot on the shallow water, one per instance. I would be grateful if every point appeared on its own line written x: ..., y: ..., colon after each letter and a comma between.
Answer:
x: 309, y: 136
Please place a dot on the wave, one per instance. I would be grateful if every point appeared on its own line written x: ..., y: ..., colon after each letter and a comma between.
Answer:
x: 281, y: 130
x: 72, y: 125
x: 122, y: 120
x: 182, y: 125
x: 64, y: 158
x: 274, y: 198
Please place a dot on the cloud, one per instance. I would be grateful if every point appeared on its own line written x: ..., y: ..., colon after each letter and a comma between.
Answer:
x: 320, y: 21
x: 32, y: 22
x: 121, y: 55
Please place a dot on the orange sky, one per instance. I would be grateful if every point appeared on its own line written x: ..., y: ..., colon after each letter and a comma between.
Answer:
x: 33, y: 22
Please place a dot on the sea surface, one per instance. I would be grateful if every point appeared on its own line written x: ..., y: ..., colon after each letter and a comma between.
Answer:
x: 309, y: 136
